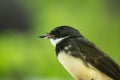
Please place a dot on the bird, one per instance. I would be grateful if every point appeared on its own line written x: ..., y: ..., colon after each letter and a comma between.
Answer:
x: 80, y: 57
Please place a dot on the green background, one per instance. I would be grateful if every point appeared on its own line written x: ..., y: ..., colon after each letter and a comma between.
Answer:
x: 26, y: 57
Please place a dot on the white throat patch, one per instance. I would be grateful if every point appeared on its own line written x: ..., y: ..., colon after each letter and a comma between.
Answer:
x: 55, y: 41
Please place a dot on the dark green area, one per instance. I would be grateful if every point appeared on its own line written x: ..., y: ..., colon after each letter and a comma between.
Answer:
x: 26, y: 57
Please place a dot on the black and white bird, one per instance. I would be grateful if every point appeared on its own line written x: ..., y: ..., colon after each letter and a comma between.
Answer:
x: 80, y: 57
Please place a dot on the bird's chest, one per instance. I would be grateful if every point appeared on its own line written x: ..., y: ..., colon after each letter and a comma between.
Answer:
x: 77, y: 68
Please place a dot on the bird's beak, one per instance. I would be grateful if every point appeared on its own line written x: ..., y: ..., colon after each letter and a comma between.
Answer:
x: 46, y: 36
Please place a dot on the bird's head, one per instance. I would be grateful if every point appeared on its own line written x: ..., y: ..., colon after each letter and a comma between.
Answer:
x: 61, y: 32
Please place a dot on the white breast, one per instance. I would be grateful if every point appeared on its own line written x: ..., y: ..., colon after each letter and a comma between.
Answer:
x: 78, y: 69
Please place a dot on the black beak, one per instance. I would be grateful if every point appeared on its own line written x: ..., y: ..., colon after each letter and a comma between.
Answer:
x: 46, y: 36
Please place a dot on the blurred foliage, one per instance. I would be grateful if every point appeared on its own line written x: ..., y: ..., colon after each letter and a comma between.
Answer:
x: 23, y: 56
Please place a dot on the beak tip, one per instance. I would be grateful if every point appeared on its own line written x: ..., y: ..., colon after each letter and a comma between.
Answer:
x: 41, y: 36
x: 46, y: 36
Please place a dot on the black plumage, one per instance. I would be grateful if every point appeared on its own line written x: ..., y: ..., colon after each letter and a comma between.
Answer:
x: 74, y: 44
x: 89, y: 53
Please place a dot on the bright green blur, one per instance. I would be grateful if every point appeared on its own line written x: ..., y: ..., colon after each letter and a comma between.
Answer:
x: 26, y: 57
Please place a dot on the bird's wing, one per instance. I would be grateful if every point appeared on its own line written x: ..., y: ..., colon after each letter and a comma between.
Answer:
x: 97, y: 58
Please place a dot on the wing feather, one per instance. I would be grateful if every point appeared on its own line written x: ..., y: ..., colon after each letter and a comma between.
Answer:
x: 97, y: 58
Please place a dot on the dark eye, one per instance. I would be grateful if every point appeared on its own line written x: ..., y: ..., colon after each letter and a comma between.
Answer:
x: 60, y: 36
